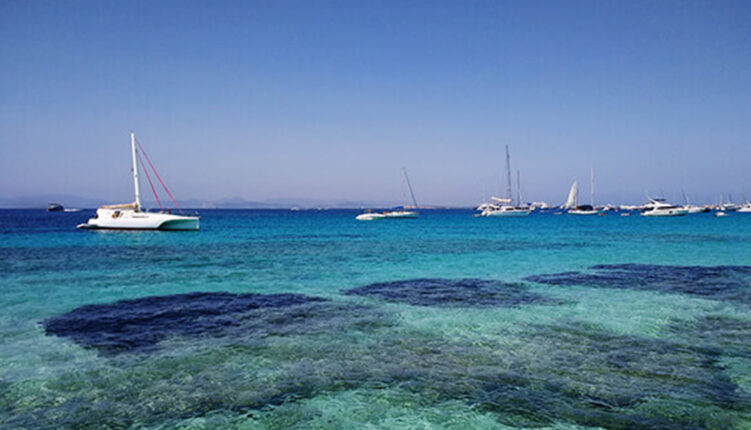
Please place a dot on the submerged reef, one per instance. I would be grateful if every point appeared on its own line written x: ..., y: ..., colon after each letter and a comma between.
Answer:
x: 267, y: 359
x: 451, y: 293
x: 729, y: 283
x: 139, y: 325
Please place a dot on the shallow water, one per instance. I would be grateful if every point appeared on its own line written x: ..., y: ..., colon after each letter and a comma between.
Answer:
x: 309, y: 319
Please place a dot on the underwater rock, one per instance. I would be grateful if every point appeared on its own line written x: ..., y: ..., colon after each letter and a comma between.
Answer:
x: 730, y: 283
x: 567, y: 372
x: 451, y: 293
x: 140, y: 324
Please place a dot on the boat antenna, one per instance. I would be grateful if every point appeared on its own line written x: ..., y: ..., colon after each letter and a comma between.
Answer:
x: 508, y: 174
x: 135, y: 170
x: 411, y: 193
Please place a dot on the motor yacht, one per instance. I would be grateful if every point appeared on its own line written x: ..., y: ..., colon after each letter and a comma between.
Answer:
x: 658, y: 207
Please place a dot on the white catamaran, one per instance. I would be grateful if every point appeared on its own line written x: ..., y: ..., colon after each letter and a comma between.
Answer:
x: 131, y: 216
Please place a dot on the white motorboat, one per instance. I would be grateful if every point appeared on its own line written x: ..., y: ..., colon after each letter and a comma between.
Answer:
x: 131, y: 216
x: 658, y: 207
x: 721, y: 214
x: 745, y: 209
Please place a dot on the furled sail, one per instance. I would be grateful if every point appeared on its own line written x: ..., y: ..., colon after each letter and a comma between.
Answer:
x: 573, y: 195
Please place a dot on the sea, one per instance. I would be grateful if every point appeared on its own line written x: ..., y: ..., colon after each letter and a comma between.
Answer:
x: 279, y: 319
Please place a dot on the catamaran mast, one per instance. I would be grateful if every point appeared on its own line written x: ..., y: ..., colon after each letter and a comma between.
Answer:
x: 135, y: 170
x: 411, y: 193
x: 508, y: 175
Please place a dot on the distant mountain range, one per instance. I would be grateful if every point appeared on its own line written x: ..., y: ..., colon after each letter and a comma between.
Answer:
x: 68, y: 201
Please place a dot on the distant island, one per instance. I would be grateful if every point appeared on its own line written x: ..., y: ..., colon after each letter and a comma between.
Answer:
x: 42, y: 201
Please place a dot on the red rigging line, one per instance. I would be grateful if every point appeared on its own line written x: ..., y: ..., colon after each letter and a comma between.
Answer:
x: 148, y: 177
x: 158, y: 177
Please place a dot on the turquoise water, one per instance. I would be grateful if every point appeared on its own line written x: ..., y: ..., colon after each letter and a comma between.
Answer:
x: 662, y: 344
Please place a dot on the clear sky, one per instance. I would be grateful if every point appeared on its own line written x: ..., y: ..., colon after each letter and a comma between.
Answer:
x: 329, y: 99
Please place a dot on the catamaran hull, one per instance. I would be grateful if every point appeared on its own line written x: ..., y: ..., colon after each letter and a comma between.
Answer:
x: 148, y: 222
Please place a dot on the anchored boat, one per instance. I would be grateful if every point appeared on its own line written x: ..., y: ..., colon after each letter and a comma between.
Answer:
x: 658, y: 207
x: 131, y: 216
x: 572, y: 204
x: 396, y: 212
x: 504, y: 207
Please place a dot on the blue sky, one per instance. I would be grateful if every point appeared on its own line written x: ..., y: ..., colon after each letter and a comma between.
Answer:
x: 329, y: 99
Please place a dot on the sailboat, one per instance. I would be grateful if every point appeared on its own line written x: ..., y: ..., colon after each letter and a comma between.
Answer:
x: 131, y: 216
x: 576, y: 208
x: 692, y: 209
x: 396, y: 212
x: 504, y: 206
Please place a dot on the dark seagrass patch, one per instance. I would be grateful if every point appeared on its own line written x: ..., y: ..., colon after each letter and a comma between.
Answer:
x: 451, y: 293
x: 727, y: 283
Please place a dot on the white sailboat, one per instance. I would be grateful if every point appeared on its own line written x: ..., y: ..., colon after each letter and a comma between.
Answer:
x: 573, y: 196
x: 394, y: 213
x: 578, y: 209
x: 504, y: 207
x: 131, y: 216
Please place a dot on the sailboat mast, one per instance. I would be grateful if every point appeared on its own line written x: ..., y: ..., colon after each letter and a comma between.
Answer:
x: 592, y: 186
x: 508, y: 174
x: 135, y: 169
x: 411, y: 193
x: 518, y: 189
